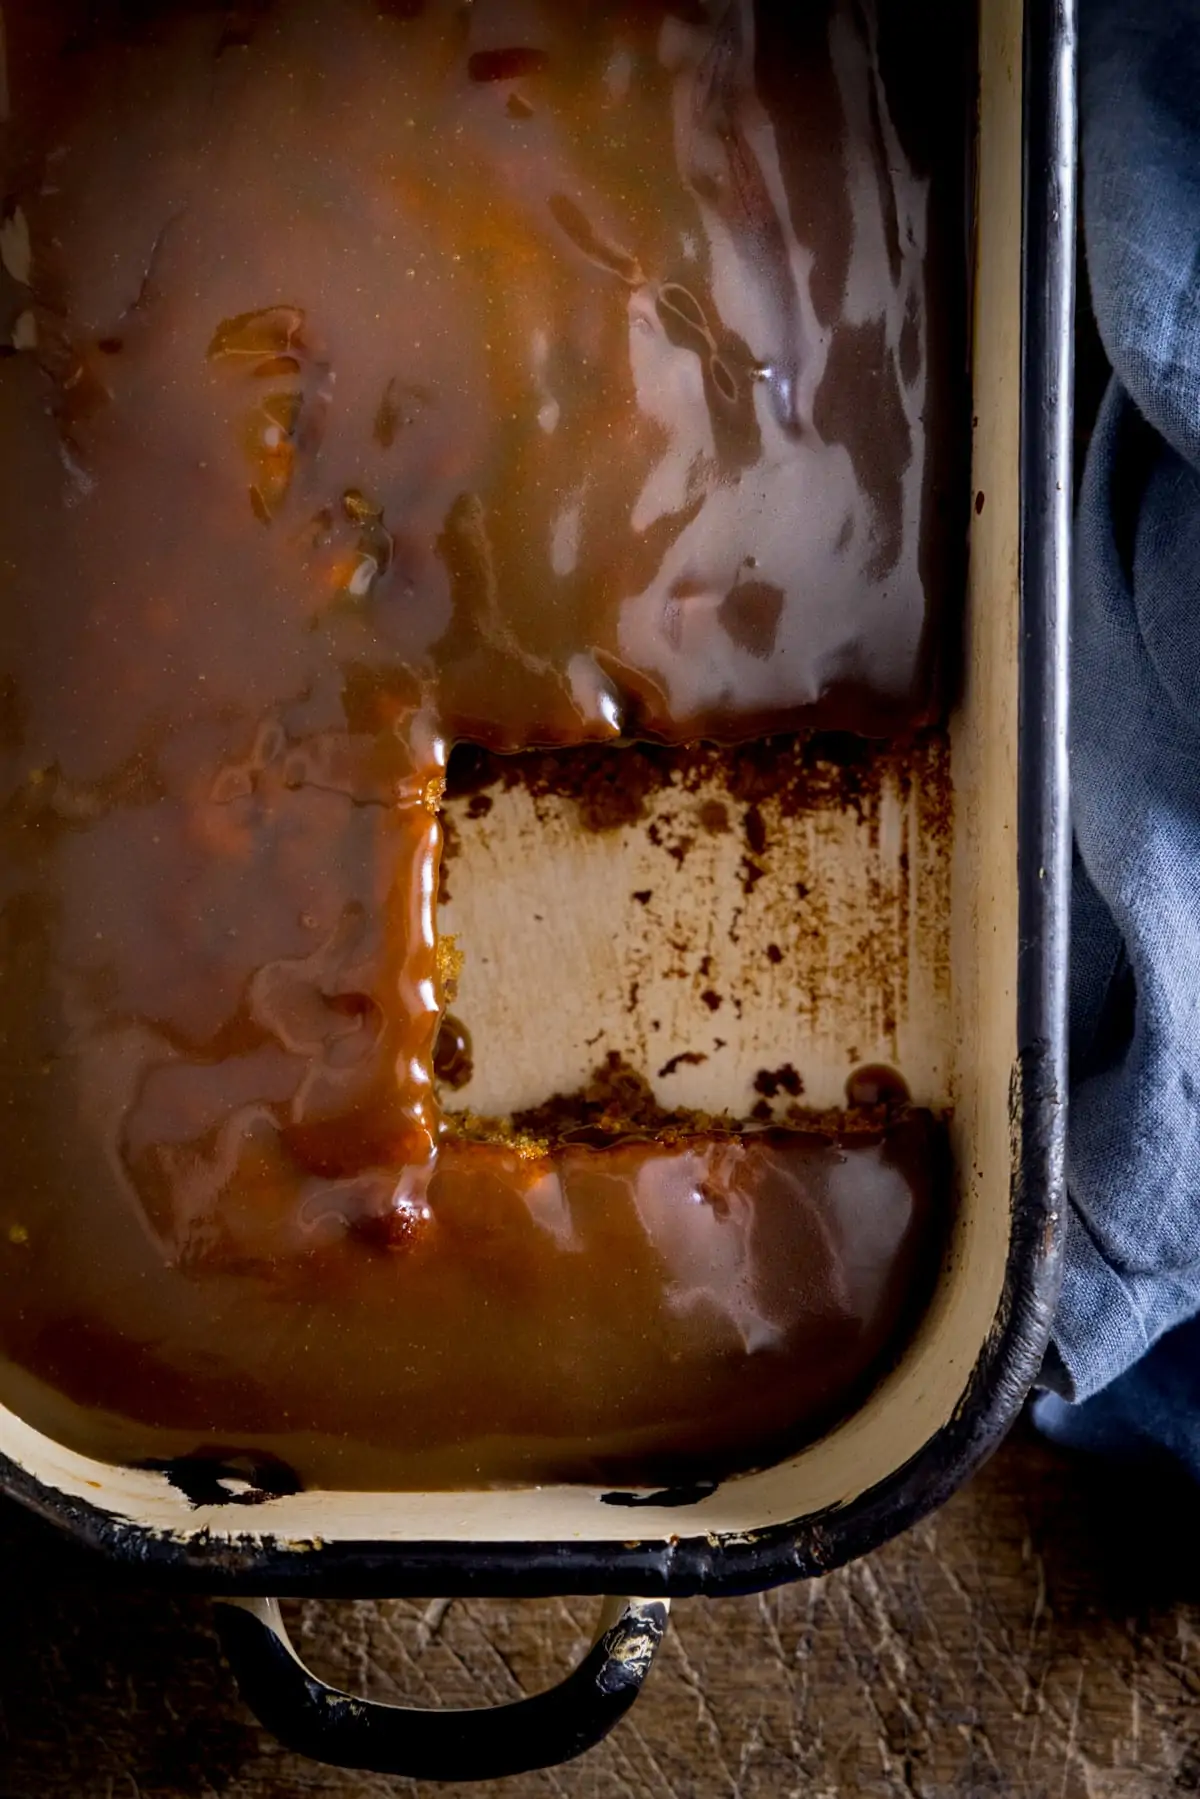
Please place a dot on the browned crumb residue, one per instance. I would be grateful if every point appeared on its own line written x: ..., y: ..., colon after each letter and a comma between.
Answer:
x: 612, y: 784
x: 772, y: 1081
x: 618, y: 1103
x: 470, y: 1127
x: 450, y: 961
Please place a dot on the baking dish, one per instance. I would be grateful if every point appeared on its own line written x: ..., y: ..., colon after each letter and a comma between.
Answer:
x: 977, y: 1025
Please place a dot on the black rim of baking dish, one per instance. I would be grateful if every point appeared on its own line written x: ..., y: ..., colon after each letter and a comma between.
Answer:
x: 1009, y: 1362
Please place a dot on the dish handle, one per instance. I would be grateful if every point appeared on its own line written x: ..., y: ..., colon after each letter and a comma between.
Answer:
x: 539, y: 1732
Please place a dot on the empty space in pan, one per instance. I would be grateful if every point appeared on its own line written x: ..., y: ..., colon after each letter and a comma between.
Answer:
x: 742, y: 930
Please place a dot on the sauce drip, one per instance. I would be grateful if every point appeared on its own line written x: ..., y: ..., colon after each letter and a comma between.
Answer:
x: 453, y: 1062
x: 877, y: 1086
x: 391, y: 377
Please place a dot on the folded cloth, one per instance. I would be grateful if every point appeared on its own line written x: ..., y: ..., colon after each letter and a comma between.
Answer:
x: 1153, y: 1408
x: 1133, y: 1245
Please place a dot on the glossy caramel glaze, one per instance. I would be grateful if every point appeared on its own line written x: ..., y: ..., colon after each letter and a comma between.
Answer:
x: 637, y: 1313
x: 385, y: 376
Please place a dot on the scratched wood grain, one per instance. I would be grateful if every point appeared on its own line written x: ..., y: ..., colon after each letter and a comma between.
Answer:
x: 1039, y: 1638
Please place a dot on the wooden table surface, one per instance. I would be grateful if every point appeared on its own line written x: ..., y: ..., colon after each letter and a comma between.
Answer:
x: 1038, y: 1638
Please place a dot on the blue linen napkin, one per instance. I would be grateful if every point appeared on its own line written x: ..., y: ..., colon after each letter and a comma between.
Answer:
x: 1121, y: 1349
